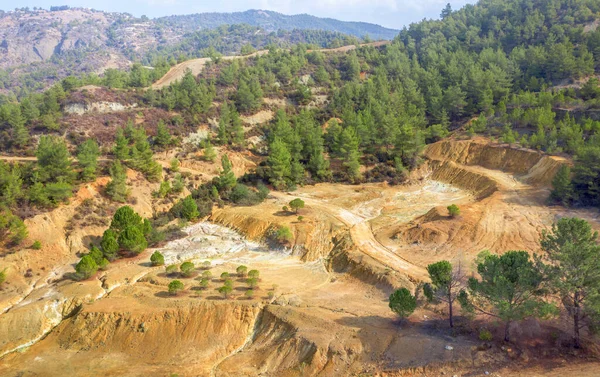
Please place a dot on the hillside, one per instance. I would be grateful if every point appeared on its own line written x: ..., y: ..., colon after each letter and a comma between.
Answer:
x: 425, y: 206
x: 38, y: 47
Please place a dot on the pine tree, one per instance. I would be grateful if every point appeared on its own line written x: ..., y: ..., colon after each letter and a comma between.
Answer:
x: 54, y: 160
x: 20, y: 135
x: 224, y: 121
x: 121, y: 148
x: 350, y: 154
x: 279, y: 162
x: 227, y: 179
x: 87, y: 156
x: 163, y: 137
x: 562, y: 191
x: 117, y: 189
x: 209, y: 151
x: 237, y: 130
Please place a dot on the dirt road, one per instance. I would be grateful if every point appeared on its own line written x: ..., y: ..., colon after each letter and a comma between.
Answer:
x: 197, y: 65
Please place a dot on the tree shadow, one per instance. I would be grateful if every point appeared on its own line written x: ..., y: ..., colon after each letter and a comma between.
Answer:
x: 283, y: 214
x: 164, y: 294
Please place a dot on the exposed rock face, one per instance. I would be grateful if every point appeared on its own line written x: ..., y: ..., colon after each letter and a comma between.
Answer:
x: 96, y: 107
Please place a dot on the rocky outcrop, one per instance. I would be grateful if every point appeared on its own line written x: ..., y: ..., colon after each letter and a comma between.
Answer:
x: 96, y: 107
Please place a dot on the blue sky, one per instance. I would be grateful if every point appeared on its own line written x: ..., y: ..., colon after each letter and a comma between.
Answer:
x: 389, y: 13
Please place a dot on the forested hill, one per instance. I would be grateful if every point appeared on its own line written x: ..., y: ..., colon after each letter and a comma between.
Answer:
x: 39, y: 47
x: 522, y: 72
x: 273, y: 21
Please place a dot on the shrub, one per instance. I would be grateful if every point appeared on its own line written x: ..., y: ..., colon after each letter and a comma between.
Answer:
x: 225, y: 291
x: 157, y: 259
x: 207, y: 274
x: 285, y: 209
x: 37, y: 245
x: 225, y: 275
x: 300, y: 218
x: 204, y: 283
x: 86, y: 267
x: 284, y: 234
x: 164, y: 189
x: 175, y: 287
x: 296, y: 204
x: 132, y: 239
x: 109, y: 244
x: 252, y: 282
x: 241, y: 270
x: 453, y: 210
x: 171, y: 269
x: 402, y: 302
x: 270, y: 294
x: 186, y: 208
x: 485, y: 335
x: 187, y: 268
x: 175, y: 165
x: 228, y: 282
x: 2, y: 276
x: 253, y: 274
x: 249, y: 294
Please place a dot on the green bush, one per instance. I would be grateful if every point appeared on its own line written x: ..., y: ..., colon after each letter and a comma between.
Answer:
x: 204, y: 283
x: 2, y: 276
x: 403, y: 303
x: 485, y: 335
x: 241, y: 270
x: 252, y: 282
x: 171, y: 269
x: 187, y: 269
x: 109, y: 244
x: 37, y: 245
x: 86, y: 267
x: 249, y: 293
x: 225, y: 291
x: 175, y: 287
x: 284, y: 234
x: 254, y: 274
x: 225, y: 275
x: 453, y: 210
x: 132, y: 239
x: 186, y: 208
x: 296, y: 204
x: 157, y: 259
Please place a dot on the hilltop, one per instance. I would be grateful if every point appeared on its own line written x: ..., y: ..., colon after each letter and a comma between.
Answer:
x: 38, y: 47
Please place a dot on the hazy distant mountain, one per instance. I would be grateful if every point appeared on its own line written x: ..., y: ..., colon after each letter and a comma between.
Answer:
x: 276, y: 21
x: 37, y: 47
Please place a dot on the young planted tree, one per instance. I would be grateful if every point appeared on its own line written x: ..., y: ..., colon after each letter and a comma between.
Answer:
x: 241, y: 270
x: 121, y: 148
x: 446, y: 283
x: 187, y: 269
x: 296, y: 204
x: 225, y: 291
x: 253, y: 274
x: 86, y: 267
x: 252, y: 282
x: 157, y: 259
x: 403, y: 303
x: 453, y: 210
x: 511, y: 289
x: 573, y: 253
x: 175, y: 287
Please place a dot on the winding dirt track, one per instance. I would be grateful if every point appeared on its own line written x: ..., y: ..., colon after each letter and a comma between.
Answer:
x: 363, y: 237
x: 196, y: 65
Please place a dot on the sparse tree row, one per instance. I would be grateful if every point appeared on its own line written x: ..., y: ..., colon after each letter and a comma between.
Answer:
x: 515, y: 286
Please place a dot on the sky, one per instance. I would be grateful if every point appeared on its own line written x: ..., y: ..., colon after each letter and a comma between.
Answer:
x: 389, y: 13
